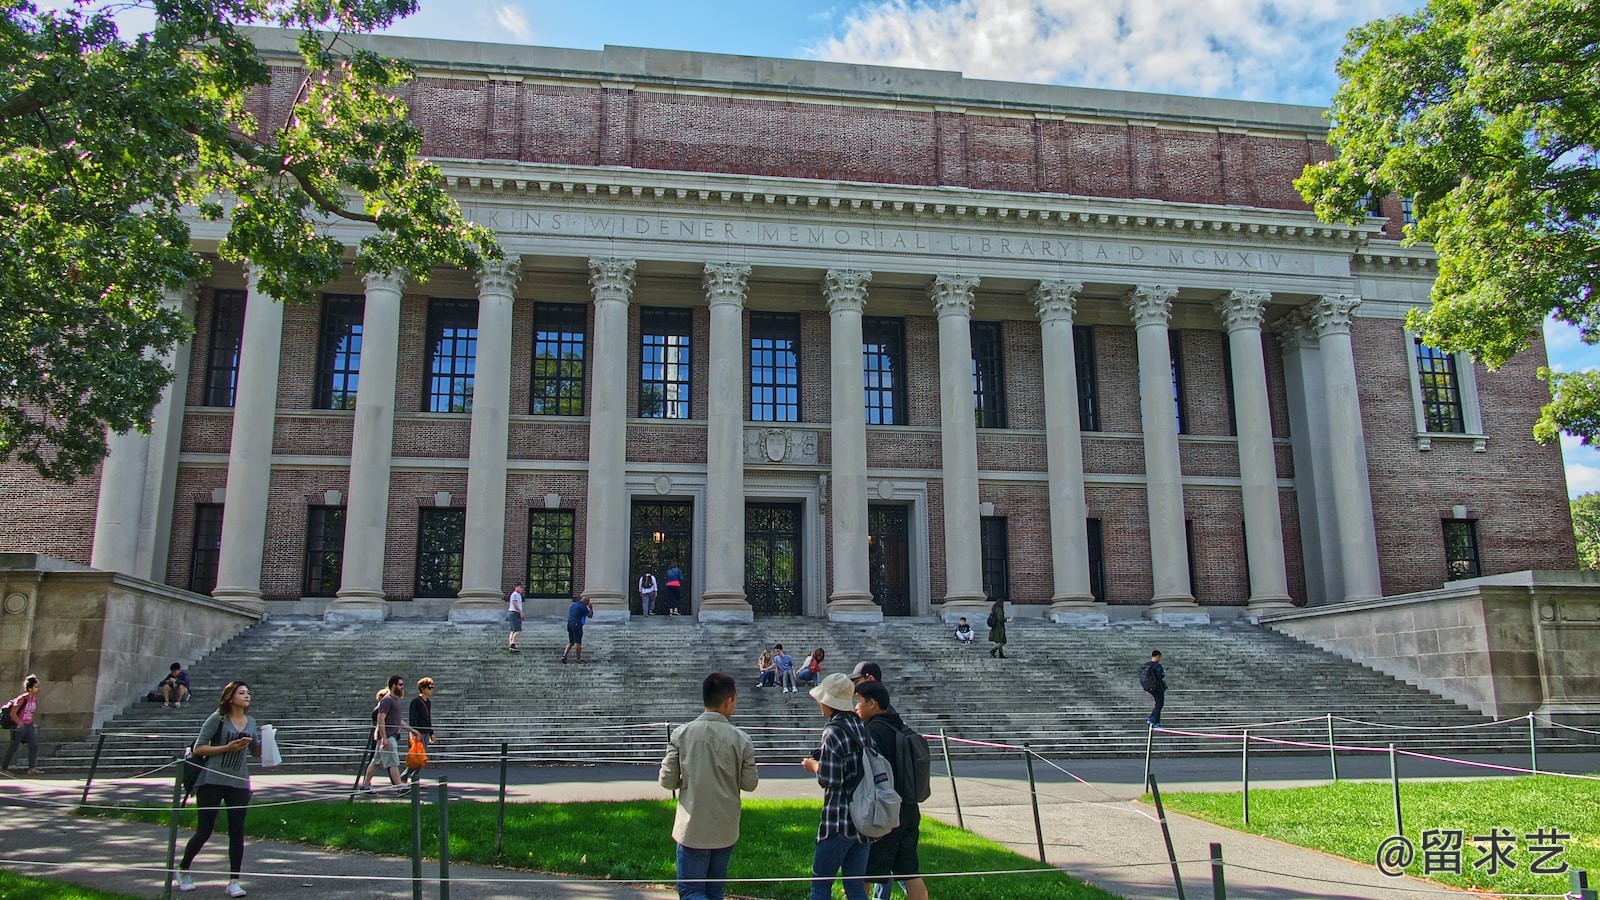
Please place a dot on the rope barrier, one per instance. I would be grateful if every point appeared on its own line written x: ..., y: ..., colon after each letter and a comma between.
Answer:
x: 1387, y: 886
x: 1519, y: 720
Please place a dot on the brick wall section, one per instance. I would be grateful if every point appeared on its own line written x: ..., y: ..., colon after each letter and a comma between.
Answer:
x: 1515, y: 488
x: 291, y: 493
x: 1001, y: 451
x: 1119, y: 455
x: 1116, y: 362
x: 326, y: 434
x: 408, y: 493
x: 1216, y: 519
x: 1026, y: 509
x: 41, y: 517
x: 1125, y: 534
x: 525, y: 492
x: 1002, y: 154
x: 207, y: 430
x: 938, y: 583
x: 1205, y: 385
x: 1023, y: 362
x: 922, y: 370
x: 297, y: 360
x: 816, y: 369
x: 194, y: 486
x: 503, y: 126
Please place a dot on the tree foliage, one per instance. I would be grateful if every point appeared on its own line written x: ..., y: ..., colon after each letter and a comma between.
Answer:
x: 1485, y: 113
x: 110, y: 146
x: 1586, y: 526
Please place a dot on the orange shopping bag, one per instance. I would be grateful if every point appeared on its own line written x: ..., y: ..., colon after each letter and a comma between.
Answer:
x: 417, y: 756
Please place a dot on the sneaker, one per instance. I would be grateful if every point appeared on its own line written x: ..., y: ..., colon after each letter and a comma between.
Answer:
x: 235, y: 889
x: 35, y: 771
x: 514, y: 648
x: 166, y: 705
x: 185, y: 883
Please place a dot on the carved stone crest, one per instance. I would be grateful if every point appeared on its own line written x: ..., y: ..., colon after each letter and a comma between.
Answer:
x: 780, y: 445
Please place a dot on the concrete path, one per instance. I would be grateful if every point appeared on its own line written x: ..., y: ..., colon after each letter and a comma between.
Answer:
x: 1094, y: 829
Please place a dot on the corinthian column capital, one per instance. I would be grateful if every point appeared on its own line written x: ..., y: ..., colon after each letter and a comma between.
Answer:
x: 1243, y: 309
x: 846, y: 288
x: 1294, y: 331
x: 952, y: 295
x: 610, y: 278
x: 1331, y: 314
x: 500, y: 277
x: 1150, y: 304
x: 392, y: 280
x: 725, y: 283
x: 1056, y: 299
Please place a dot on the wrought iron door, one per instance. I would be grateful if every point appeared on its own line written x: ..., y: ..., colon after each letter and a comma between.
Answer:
x: 772, y: 559
x: 889, y: 558
x: 661, y: 533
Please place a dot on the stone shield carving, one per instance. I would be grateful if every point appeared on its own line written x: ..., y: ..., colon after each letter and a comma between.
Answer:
x: 780, y: 445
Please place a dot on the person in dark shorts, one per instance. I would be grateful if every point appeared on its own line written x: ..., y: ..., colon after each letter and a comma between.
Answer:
x: 175, y: 687
x: 893, y: 857
x: 580, y: 610
x: 514, y: 617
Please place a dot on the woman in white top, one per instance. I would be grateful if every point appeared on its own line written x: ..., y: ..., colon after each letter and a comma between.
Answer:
x: 647, y: 592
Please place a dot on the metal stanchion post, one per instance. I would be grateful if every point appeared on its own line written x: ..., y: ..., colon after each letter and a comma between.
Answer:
x: 1219, y: 887
x: 1580, y: 886
x: 444, y: 838
x: 1533, y: 747
x: 1033, y: 798
x: 945, y: 743
x: 1333, y: 759
x: 500, y: 823
x: 416, y: 843
x: 172, y: 827
x: 95, y: 764
x: 1166, y: 835
x: 1244, y: 756
x: 1149, y: 747
x: 366, y: 757
x: 1394, y: 780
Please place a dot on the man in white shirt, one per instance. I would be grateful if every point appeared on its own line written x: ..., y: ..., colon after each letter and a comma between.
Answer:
x: 514, y: 617
x: 647, y: 592
x: 708, y: 762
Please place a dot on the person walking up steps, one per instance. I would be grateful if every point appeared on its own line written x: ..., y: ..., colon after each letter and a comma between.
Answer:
x: 514, y: 617
x: 647, y: 593
x: 674, y: 590
x: 576, y: 614
x: 1153, y: 679
x: 997, y: 629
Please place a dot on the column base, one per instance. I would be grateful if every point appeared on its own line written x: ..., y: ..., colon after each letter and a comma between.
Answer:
x: 357, y: 605
x: 1259, y: 605
x: 975, y: 608
x: 609, y: 609
x: 477, y: 607
x: 725, y: 607
x: 845, y: 606
x: 1077, y: 611
x: 1177, y: 611
x: 245, y: 598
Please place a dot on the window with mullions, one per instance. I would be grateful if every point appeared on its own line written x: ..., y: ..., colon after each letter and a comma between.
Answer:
x: 988, y: 375
x: 664, y: 379
x: 207, y: 548
x: 883, y: 351
x: 1097, y: 561
x: 774, y: 367
x: 452, y: 354
x: 996, y: 568
x: 559, y: 334
x: 1088, y: 391
x: 440, y: 540
x: 1408, y: 211
x: 1461, y: 549
x: 550, y: 542
x: 1175, y: 350
x: 1441, y: 390
x: 324, y: 550
x: 222, y: 358
x: 339, y: 351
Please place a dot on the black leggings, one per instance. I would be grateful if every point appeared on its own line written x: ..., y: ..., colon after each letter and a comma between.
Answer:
x: 209, y: 798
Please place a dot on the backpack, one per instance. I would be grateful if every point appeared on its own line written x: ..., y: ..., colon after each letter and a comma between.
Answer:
x: 1147, y: 677
x: 191, y: 763
x: 874, y: 805
x: 915, y: 764
x: 989, y: 622
x: 5, y: 715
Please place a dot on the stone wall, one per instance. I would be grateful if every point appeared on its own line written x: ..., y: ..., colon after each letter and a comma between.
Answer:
x: 1505, y: 645
x: 99, y: 641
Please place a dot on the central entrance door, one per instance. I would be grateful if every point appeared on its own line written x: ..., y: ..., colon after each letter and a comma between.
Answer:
x: 889, y: 558
x: 661, y: 533
x: 772, y: 559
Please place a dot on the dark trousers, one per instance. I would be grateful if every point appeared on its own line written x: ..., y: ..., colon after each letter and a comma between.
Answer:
x: 211, y: 797
x: 23, y: 734
x: 1155, y: 714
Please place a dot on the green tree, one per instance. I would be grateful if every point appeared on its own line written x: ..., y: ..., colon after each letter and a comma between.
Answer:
x: 1586, y: 525
x: 110, y: 146
x: 1484, y: 113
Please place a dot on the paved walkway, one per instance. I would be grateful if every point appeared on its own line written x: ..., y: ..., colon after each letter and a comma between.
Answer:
x: 1096, y: 831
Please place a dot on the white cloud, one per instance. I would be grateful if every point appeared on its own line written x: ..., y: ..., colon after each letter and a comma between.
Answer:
x: 514, y: 21
x: 1582, y: 479
x: 1252, y: 49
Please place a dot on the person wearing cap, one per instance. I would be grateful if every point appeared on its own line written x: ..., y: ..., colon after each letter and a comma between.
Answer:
x: 893, y: 856
x: 836, y: 762
x: 866, y: 670
x: 709, y: 761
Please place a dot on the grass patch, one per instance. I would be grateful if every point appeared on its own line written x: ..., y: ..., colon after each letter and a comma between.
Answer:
x: 633, y: 840
x: 1352, y: 819
x: 21, y: 887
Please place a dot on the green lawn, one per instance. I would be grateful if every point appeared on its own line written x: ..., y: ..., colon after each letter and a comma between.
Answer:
x: 21, y: 887
x: 633, y: 840
x: 1351, y: 820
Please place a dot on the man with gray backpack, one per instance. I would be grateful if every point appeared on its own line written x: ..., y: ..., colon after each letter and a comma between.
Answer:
x: 893, y: 857
x: 858, y: 798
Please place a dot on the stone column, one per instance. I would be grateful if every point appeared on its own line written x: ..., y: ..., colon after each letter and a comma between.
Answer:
x: 1308, y: 435
x: 366, y: 517
x: 244, y: 514
x: 851, y: 600
x: 1071, y: 602
x: 161, y: 472
x: 1151, y: 306
x: 481, y: 598
x: 952, y: 297
x: 127, y: 514
x: 724, y: 599
x: 605, y: 571
x: 1352, y: 496
x: 1241, y: 313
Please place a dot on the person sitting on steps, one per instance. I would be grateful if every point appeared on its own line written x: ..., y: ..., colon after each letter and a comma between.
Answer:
x: 964, y: 631
x: 811, y: 671
x: 766, y: 670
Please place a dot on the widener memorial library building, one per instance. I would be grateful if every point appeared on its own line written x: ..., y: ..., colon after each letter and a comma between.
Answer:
x: 840, y: 341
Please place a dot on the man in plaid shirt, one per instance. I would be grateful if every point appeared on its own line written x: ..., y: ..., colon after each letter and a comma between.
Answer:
x: 837, y: 764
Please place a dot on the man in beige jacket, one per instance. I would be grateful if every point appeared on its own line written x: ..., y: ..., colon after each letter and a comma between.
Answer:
x: 709, y: 762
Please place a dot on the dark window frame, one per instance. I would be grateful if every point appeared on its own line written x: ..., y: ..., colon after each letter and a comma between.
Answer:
x: 1088, y: 385
x: 994, y: 538
x: 1461, y: 549
x: 1175, y: 351
x: 205, y: 548
x: 988, y: 374
x: 774, y: 347
x: 324, y: 561
x: 1188, y: 546
x: 339, y: 350
x: 552, y: 567
x: 883, y: 358
x: 445, y: 559
x: 1094, y: 534
x: 556, y: 384
x: 1439, y: 383
x: 226, y: 341
x: 452, y: 339
x: 666, y: 379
